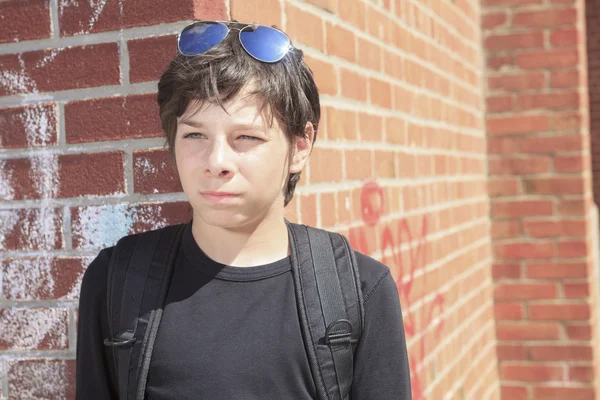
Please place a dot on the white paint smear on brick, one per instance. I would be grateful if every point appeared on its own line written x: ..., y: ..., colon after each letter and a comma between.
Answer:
x: 39, y: 380
x: 146, y: 166
x: 28, y: 279
x: 25, y: 329
x: 9, y: 219
x: 38, y: 228
x: 97, y: 7
x: 7, y: 191
x: 37, y: 121
x: 66, y: 4
x: 103, y: 226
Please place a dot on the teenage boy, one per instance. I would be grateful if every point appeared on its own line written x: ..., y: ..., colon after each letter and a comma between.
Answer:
x: 240, y: 110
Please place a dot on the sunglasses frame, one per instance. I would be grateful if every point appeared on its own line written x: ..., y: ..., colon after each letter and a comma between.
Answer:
x: 229, y: 29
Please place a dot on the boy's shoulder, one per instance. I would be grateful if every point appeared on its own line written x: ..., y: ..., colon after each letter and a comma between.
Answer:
x: 371, y: 272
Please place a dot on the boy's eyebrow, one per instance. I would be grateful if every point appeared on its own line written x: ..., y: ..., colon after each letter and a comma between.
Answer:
x: 241, y: 126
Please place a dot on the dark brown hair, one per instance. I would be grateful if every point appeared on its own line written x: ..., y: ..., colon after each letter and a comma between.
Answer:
x: 287, y: 88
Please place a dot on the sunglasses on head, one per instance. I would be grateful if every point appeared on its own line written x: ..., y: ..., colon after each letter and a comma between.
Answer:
x: 261, y: 42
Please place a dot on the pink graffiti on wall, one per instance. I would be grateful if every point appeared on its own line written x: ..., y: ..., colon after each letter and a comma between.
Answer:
x: 372, y: 209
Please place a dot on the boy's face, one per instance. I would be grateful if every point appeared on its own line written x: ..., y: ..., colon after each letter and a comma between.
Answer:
x: 235, y: 152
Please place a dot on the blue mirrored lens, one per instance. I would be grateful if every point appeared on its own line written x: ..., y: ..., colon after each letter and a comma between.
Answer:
x: 201, y: 37
x: 265, y: 43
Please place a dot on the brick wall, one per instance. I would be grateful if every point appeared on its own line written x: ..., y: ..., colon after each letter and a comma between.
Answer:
x: 543, y: 227
x: 399, y: 165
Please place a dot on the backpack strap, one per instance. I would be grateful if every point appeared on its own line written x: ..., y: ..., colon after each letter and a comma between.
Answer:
x: 330, y: 305
x: 139, y: 274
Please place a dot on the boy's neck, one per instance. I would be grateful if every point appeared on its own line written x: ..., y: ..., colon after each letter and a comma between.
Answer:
x: 260, y: 243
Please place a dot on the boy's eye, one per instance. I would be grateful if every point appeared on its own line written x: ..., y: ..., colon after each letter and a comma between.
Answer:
x: 248, y: 137
x: 191, y: 134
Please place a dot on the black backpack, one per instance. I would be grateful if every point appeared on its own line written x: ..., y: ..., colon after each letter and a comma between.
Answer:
x: 328, y: 295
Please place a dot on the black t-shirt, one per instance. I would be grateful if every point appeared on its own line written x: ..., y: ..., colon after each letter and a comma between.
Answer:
x: 233, y: 333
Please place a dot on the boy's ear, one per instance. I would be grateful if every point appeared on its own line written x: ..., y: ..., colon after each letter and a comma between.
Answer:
x: 301, y: 148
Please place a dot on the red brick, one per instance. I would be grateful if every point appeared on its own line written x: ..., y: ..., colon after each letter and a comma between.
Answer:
x: 503, y: 187
x: 308, y: 208
x: 266, y: 12
x: 508, y: 311
x: 393, y: 65
x: 493, y: 20
x: 524, y: 250
x: 353, y: 85
x: 561, y: 353
x: 517, y: 124
x: 381, y: 93
x: 66, y: 68
x: 562, y: 393
x: 554, y: 185
x: 570, y: 120
x: 340, y: 42
x: 568, y: 164
x: 154, y: 173
x: 519, y: 166
x: 91, y: 174
x: 497, y: 62
x: 355, y: 13
x: 112, y: 118
x: 555, y: 270
x: 545, y: 18
x: 514, y: 208
x: 563, y: 78
x: 32, y: 229
x: 508, y: 271
x: 41, y: 378
x: 149, y: 57
x: 33, y: 125
x: 559, y: 312
x: 581, y: 374
x: 551, y: 144
x: 531, y: 373
x: 517, y: 82
x: 514, y: 392
x: 549, y: 100
x: 325, y: 75
x: 572, y: 249
x: 499, y: 104
x: 572, y: 207
x: 305, y: 27
x: 563, y: 37
x: 519, y: 331
x: 341, y: 124
x: 511, y: 352
x: 514, y: 41
x: 369, y: 54
x: 328, y: 209
x: 579, y: 332
x: 525, y: 291
x: 371, y: 128
x: 548, y: 59
x: 502, y: 145
x: 17, y: 17
x: 326, y: 165
x: 358, y: 164
x: 106, y: 16
x: 33, y: 329
x: 576, y: 290
x: 555, y: 228
x: 506, y: 229
x: 41, y: 278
